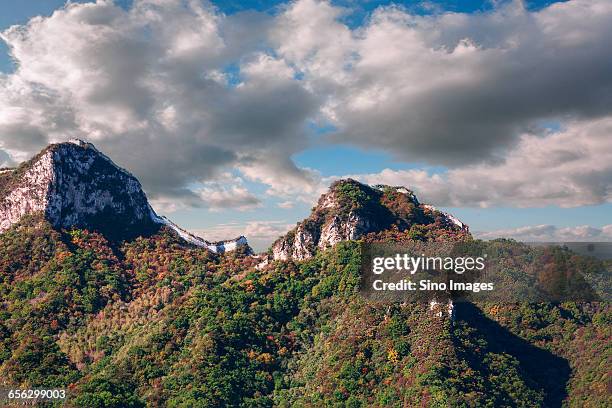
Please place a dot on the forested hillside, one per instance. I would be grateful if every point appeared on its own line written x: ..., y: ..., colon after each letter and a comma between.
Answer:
x: 158, y: 322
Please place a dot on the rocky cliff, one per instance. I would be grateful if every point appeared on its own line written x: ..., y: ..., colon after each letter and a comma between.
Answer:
x: 350, y: 210
x: 74, y: 185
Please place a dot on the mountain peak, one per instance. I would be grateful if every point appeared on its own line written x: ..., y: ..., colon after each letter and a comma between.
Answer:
x: 350, y: 209
x: 73, y: 184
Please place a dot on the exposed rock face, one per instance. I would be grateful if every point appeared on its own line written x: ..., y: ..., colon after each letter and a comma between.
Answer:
x: 350, y: 210
x: 282, y: 249
x: 438, y: 308
x: 338, y: 230
x: 75, y: 185
x: 29, y: 196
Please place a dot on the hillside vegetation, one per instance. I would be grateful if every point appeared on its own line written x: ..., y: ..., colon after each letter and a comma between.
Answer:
x: 157, y: 322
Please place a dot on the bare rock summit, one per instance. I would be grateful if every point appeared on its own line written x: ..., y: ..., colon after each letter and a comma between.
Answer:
x: 350, y: 210
x: 74, y: 185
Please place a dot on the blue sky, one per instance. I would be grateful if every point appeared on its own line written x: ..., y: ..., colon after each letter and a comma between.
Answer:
x: 340, y: 150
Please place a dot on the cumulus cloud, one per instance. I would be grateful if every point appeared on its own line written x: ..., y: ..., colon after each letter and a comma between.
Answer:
x: 222, y: 197
x: 179, y: 93
x: 550, y: 233
x: 150, y: 86
x: 283, y: 177
x: 226, y: 192
x: 452, y: 88
x: 571, y: 167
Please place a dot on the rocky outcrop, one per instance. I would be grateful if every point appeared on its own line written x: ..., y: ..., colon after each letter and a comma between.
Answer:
x: 337, y: 229
x: 74, y: 185
x: 350, y: 210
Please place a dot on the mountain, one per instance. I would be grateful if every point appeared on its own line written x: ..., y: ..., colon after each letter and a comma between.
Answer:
x: 159, y: 320
x: 74, y: 185
x: 351, y: 210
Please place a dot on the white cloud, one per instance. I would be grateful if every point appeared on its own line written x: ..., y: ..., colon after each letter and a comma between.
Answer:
x: 267, y: 229
x: 284, y: 178
x: 569, y: 168
x: 548, y: 233
x: 222, y: 197
x: 151, y: 87
x: 451, y: 88
x: 286, y: 204
x: 227, y: 192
